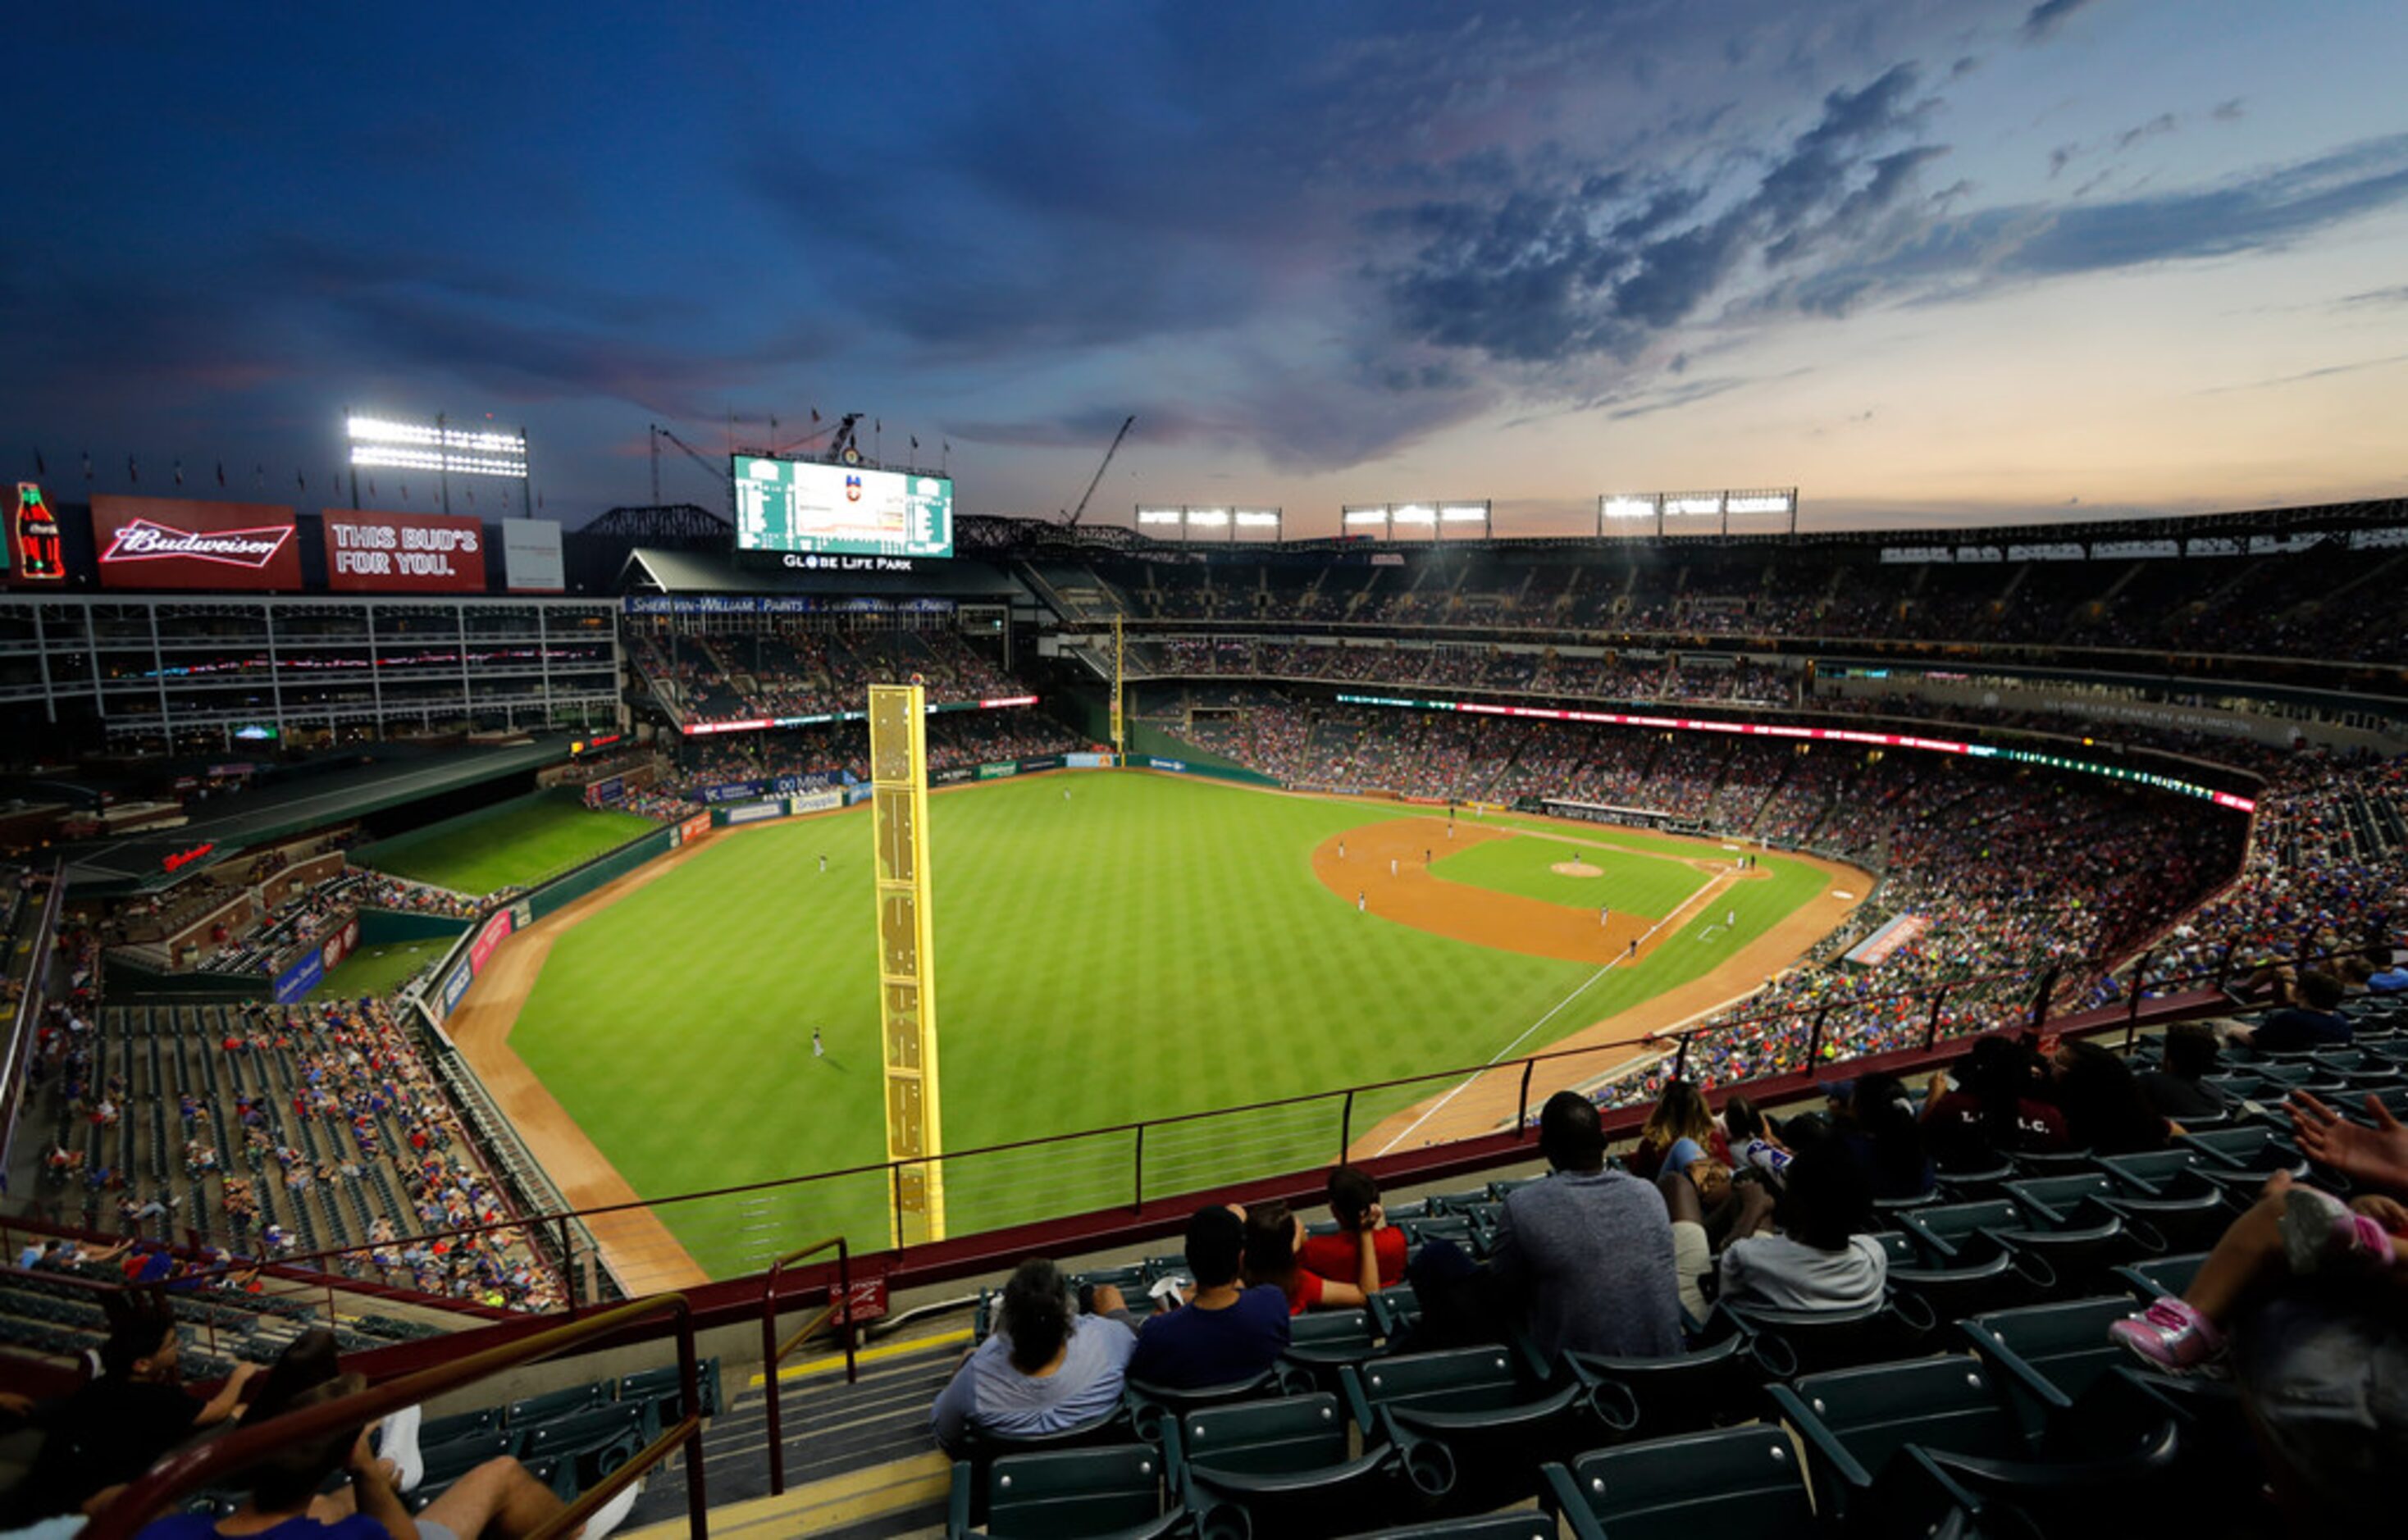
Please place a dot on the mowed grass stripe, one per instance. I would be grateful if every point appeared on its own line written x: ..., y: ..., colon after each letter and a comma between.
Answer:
x: 1152, y: 947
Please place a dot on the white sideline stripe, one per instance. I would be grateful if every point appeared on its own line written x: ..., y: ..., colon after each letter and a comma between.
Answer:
x: 1439, y: 1104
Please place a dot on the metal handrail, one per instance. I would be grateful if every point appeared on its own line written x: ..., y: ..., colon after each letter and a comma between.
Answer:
x: 773, y: 1352
x: 182, y: 1474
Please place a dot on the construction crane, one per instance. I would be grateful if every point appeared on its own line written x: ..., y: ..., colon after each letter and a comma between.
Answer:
x: 1070, y: 519
x: 717, y: 473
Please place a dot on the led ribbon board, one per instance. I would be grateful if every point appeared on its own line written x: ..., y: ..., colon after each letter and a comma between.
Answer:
x: 1823, y: 735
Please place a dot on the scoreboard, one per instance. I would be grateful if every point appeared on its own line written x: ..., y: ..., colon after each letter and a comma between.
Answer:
x: 809, y: 507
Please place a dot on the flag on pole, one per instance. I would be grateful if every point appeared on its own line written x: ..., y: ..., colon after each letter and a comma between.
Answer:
x: 371, y: 486
x: 220, y: 474
x: 87, y: 465
x: 180, y: 472
x: 915, y: 441
x: 815, y: 415
x: 300, y: 480
x: 132, y: 473
x: 41, y: 467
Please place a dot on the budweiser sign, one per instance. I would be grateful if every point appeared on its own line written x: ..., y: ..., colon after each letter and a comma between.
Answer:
x: 144, y: 541
x: 185, y: 543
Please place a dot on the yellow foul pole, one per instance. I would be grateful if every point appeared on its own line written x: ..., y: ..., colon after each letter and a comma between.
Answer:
x: 907, y: 973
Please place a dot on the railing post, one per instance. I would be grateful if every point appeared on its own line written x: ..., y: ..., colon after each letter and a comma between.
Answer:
x: 1136, y: 1174
x: 2039, y: 1000
x: 1931, y: 1026
x: 1814, y: 1037
x: 698, y: 1495
x: 1346, y: 1128
x: 772, y: 1399
x: 2133, y: 1013
x: 567, y: 1268
x: 1521, y: 1117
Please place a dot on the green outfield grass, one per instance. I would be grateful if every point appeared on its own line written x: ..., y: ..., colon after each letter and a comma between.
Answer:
x: 517, y: 845
x: 1649, y: 886
x: 379, y: 970
x: 1151, y: 946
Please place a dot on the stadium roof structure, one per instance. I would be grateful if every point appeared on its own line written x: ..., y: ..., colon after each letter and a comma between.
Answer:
x: 142, y: 862
x: 654, y: 571
x: 1020, y: 537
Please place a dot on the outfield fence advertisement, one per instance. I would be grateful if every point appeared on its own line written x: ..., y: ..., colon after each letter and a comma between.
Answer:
x: 1001, y: 770
x: 815, y: 802
x: 752, y: 812
x: 691, y: 829
x: 311, y: 968
x: 488, y: 937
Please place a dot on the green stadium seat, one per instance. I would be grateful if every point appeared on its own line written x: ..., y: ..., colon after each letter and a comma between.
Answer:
x: 587, y: 1445
x: 2163, y: 1223
x: 1734, y: 1484
x: 661, y: 1394
x: 1949, y: 1293
x: 1788, y: 1343
x: 1714, y: 1382
x: 525, y: 1415
x: 1064, y: 1495
x: 448, y: 1460
x: 2160, y: 1276
x: 1472, y: 1424
x: 1152, y: 1408
x: 1526, y: 1524
x: 443, y: 1429
x: 1393, y: 1311
x: 2252, y: 1150
x: 2049, y: 1356
x: 1901, y: 1445
x: 1321, y: 1342
x: 1286, y: 1467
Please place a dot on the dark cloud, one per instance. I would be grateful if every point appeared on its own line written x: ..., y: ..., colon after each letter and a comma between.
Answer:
x: 2046, y: 17
x: 1595, y: 267
x: 2231, y: 111
x: 2374, y: 298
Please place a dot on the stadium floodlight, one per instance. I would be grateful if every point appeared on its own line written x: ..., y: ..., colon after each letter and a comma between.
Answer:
x: 1694, y: 503
x: 1623, y: 506
x: 1464, y: 513
x: 1760, y: 502
x: 1356, y: 518
x: 1258, y: 518
x: 1160, y: 516
x: 1417, y: 514
x: 382, y: 442
x: 1209, y: 517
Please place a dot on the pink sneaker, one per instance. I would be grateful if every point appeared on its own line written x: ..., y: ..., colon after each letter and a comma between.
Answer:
x: 2321, y: 1231
x: 2168, y: 1334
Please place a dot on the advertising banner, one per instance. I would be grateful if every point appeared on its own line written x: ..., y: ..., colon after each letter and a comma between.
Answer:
x: 816, y: 802
x: 457, y: 985
x: 175, y: 542
x: 858, y: 792
x: 999, y: 771
x: 338, y: 946
x: 530, y: 556
x: 954, y: 777
x: 487, y: 939
x: 1088, y: 762
x: 754, y: 812
x: 374, y: 553
x: 1152, y: 762
x: 300, y: 978
x: 1877, y: 948
x: 1047, y: 761
x: 695, y: 827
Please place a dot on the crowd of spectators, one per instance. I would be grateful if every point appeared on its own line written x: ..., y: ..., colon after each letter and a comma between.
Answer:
x: 2259, y: 604
x: 800, y: 670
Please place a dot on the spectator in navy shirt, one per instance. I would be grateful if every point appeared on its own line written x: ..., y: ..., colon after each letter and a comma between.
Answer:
x: 1225, y: 1333
x: 2310, y: 1018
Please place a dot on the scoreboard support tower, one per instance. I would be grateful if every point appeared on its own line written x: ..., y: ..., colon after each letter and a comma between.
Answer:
x: 907, y: 979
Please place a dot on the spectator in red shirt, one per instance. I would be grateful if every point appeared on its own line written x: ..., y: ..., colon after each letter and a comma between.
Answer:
x: 1353, y: 1198
x: 1274, y: 1232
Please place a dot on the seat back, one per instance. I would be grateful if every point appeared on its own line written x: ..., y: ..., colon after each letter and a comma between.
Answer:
x: 525, y: 1415
x: 1745, y: 1483
x: 1713, y: 1382
x: 1947, y: 1228
x: 1947, y: 1403
x: 2161, y: 1275
x: 2059, y: 1196
x: 1463, y: 1380
x: 1788, y: 1343
x: 1265, y: 1437
x: 1072, y: 1492
x: 2054, y: 1352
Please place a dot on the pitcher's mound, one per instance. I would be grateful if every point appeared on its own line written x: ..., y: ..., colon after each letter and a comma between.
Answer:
x: 1576, y: 869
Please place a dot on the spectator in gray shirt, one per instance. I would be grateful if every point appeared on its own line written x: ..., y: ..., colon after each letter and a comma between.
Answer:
x: 1046, y: 1368
x: 1588, y: 1252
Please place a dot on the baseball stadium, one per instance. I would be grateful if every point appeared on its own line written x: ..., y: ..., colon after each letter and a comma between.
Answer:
x: 1118, y: 968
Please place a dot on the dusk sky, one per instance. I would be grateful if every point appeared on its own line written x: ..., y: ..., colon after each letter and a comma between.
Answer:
x: 1924, y: 259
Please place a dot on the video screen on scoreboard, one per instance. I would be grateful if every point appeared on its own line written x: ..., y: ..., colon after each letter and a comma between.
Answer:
x: 806, y: 507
